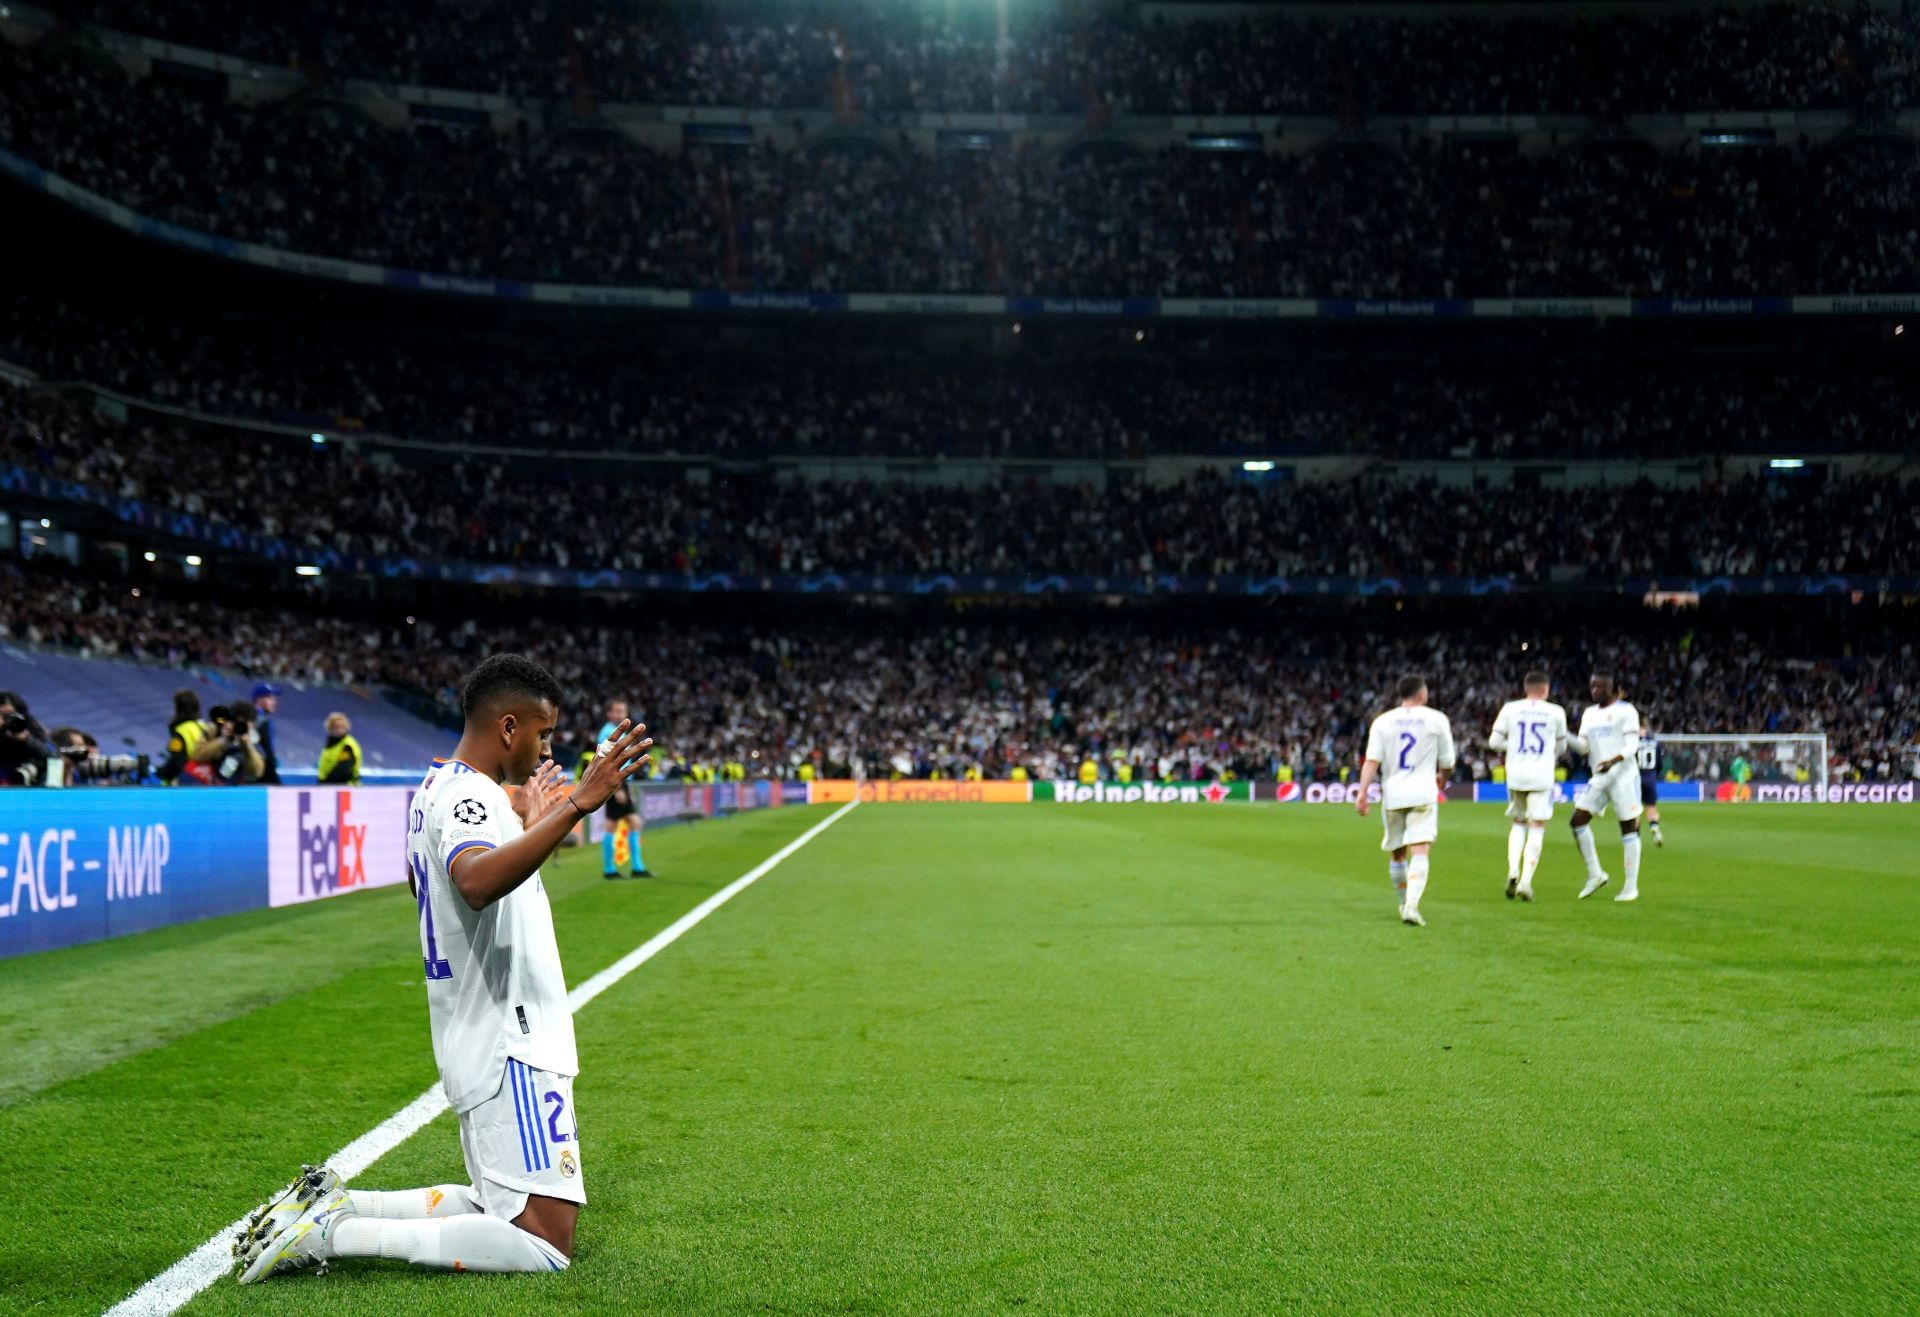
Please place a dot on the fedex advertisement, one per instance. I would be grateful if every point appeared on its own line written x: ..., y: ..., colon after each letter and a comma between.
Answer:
x: 322, y: 841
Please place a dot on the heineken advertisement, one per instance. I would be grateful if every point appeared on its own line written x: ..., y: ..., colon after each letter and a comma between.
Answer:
x: 1143, y: 793
x: 829, y: 791
x: 1065, y: 791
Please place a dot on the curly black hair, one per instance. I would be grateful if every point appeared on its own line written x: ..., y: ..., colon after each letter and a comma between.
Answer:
x: 504, y: 677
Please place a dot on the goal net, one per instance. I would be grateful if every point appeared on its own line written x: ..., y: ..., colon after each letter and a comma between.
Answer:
x: 1759, y: 757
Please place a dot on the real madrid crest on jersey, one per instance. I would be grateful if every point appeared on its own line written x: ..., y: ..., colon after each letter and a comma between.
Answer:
x: 567, y: 1168
x: 470, y: 812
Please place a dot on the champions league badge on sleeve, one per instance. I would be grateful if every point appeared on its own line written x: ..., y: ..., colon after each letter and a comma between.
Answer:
x: 470, y: 812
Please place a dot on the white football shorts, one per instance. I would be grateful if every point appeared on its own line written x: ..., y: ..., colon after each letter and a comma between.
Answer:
x: 1410, y: 827
x: 1617, y: 789
x: 524, y: 1140
x: 1530, y: 806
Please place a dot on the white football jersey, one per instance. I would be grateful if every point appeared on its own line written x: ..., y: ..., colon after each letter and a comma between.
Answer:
x: 494, y: 984
x: 1610, y: 731
x: 1536, y: 736
x: 1411, y: 746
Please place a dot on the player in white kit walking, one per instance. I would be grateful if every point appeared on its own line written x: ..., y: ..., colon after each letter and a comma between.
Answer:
x: 1411, y: 750
x: 1611, y: 728
x: 1533, y: 732
x: 496, y: 1000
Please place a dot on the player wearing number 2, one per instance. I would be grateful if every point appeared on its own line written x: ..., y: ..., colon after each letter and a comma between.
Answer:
x: 1611, y: 728
x: 496, y: 1002
x: 1533, y: 732
x: 1414, y: 745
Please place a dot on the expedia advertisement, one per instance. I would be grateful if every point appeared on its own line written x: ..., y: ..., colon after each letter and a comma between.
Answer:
x: 838, y: 791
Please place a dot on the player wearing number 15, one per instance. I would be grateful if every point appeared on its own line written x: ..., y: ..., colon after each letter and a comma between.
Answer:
x: 1533, y: 732
x: 1410, y: 749
x: 496, y: 1003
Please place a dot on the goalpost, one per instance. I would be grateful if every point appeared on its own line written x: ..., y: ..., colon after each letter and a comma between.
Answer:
x: 1799, y: 759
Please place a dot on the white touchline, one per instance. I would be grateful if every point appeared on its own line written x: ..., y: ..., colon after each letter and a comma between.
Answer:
x: 172, y: 1288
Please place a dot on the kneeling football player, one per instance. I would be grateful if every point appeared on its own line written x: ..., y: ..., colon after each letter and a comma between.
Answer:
x: 497, y: 1004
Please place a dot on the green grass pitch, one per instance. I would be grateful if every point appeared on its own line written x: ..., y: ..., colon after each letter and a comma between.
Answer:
x: 1089, y: 1058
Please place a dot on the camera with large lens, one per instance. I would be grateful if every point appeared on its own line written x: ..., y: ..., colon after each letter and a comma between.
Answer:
x: 236, y: 719
x: 85, y: 764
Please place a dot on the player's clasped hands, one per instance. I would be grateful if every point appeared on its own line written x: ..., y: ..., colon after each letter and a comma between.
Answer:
x: 540, y: 793
x: 618, y: 758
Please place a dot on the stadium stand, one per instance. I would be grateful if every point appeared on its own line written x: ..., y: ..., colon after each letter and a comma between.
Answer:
x: 973, y: 685
x: 806, y: 398
x: 887, y: 58
x: 124, y: 704
x: 1608, y: 219
x: 1206, y: 524
x: 887, y: 695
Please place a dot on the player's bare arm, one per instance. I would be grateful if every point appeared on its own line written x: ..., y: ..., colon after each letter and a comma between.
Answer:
x: 1368, y: 771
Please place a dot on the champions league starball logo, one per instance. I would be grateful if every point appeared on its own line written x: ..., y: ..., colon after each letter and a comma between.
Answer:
x: 470, y: 812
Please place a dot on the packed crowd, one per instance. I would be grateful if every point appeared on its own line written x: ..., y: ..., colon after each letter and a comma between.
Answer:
x: 474, y: 508
x: 889, y: 58
x: 564, y: 395
x: 1423, y: 223
x: 880, y: 698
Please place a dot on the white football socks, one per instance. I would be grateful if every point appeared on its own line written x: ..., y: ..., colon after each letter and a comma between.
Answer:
x: 1583, y: 837
x: 473, y: 1242
x: 1516, y: 843
x: 1630, y: 862
x: 1397, y: 870
x: 1530, y: 860
x: 1416, y: 880
x: 416, y: 1204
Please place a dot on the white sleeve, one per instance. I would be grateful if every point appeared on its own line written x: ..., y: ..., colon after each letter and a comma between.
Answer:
x: 1561, y: 739
x: 1446, y: 742
x: 1497, y: 738
x: 1630, y: 736
x: 469, y: 816
x: 1376, y: 744
x: 1577, y: 740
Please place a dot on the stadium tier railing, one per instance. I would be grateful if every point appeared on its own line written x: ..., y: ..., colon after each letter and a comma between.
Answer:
x: 944, y: 305
x: 312, y: 561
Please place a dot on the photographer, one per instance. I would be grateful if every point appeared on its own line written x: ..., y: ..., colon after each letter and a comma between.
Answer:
x: 232, y: 751
x: 13, y: 702
x: 185, y: 732
x: 85, y: 766
x: 24, y: 748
